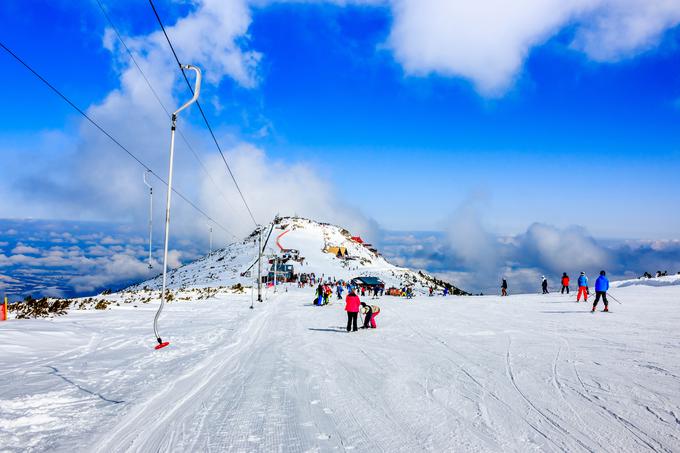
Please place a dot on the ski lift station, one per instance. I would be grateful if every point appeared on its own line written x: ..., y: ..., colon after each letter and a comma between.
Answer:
x: 284, y: 273
x: 368, y: 282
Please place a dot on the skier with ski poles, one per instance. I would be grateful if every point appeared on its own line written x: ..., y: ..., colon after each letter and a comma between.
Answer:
x: 565, y: 283
x: 601, y: 287
x: 582, y: 287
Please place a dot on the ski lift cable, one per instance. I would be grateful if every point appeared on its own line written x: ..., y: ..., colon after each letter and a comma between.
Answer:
x: 146, y: 183
x: 111, y: 137
x: 200, y: 109
x: 160, y: 102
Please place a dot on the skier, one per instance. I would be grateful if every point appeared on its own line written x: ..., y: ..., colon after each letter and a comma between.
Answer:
x: 601, y: 287
x: 326, y: 294
x: 370, y: 312
x: 431, y: 291
x: 504, y: 288
x: 319, y: 295
x: 339, y: 291
x: 544, y: 285
x: 375, y: 292
x: 446, y: 291
x: 582, y: 287
x: 352, y: 303
x: 565, y: 283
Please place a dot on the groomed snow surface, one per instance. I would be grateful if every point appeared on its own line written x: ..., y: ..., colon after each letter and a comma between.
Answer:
x: 522, y: 373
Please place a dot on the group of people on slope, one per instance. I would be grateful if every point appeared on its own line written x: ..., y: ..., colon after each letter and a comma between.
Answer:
x: 325, y: 290
x: 353, y: 306
x: 601, y: 288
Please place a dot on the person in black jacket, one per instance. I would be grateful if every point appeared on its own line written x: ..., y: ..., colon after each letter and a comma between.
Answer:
x: 504, y: 288
x: 544, y: 285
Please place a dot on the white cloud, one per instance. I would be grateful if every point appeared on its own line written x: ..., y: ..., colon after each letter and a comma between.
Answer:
x: 617, y: 29
x: 487, y: 41
x: 561, y: 249
x: 21, y: 248
x: 274, y: 187
x: 112, y: 270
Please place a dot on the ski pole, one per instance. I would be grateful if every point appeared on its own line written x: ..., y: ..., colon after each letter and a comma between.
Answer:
x: 610, y: 295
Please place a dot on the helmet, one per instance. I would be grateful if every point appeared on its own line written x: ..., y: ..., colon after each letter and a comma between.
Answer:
x: 583, y: 273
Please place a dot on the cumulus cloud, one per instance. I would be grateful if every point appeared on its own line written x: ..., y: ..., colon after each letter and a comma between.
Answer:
x: 616, y: 29
x: 275, y: 187
x: 488, y: 41
x: 57, y: 268
x: 471, y: 256
x: 114, y: 269
x: 25, y: 249
x: 556, y: 249
x: 472, y: 244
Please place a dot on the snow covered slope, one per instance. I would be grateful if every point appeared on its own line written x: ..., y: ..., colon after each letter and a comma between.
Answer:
x: 668, y: 280
x: 483, y: 374
x: 314, y: 241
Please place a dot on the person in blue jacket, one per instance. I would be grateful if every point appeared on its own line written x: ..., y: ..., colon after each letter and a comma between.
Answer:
x: 601, y: 287
x: 582, y: 287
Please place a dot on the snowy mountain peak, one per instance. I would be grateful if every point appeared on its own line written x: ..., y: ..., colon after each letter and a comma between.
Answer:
x: 300, y: 246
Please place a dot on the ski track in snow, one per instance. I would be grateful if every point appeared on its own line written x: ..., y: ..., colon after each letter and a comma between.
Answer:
x: 479, y: 374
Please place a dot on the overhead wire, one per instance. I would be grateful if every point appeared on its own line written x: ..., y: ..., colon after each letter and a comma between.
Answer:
x: 205, y: 119
x: 111, y: 137
x: 160, y: 102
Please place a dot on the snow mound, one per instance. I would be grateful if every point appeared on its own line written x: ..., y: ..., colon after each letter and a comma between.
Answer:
x: 669, y: 280
x: 311, y: 247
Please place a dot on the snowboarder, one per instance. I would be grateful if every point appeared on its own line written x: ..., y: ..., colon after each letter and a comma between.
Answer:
x: 601, y: 287
x: 582, y: 287
x: 504, y: 288
x: 544, y: 285
x: 352, y: 304
x: 565, y: 283
x: 370, y: 312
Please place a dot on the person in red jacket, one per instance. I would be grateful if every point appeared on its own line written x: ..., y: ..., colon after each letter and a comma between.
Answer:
x: 565, y: 282
x: 352, y: 304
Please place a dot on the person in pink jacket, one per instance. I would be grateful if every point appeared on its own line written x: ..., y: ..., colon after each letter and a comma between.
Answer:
x: 352, y: 304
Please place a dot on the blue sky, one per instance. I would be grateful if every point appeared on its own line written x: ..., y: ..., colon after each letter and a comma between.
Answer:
x: 373, y: 113
x: 568, y: 131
